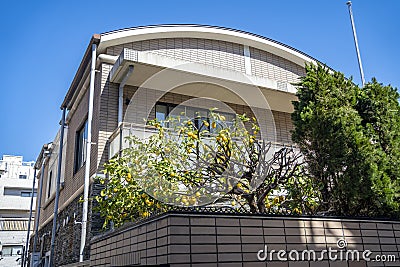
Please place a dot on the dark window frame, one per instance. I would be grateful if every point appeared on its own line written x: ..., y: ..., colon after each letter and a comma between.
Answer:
x: 80, y: 146
x: 49, y: 184
x: 196, y: 120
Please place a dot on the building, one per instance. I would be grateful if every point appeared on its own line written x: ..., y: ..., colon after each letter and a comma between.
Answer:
x: 132, y: 74
x: 16, y: 180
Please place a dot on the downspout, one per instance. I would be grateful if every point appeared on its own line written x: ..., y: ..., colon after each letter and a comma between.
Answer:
x: 39, y: 201
x: 121, y: 104
x: 88, y: 155
x: 30, y: 219
x: 53, y: 231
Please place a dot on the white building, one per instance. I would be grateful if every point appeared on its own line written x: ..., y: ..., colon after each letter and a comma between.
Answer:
x: 16, y: 180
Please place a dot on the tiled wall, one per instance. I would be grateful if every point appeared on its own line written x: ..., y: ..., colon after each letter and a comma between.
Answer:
x: 268, y: 65
x: 219, y: 54
x: 223, y: 240
x: 216, y: 53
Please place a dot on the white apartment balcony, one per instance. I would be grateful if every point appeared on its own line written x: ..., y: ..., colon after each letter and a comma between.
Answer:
x: 14, y: 224
x: 167, y: 74
x: 15, y: 204
x: 118, y: 141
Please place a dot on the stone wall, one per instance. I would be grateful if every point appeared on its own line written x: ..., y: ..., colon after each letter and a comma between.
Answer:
x: 231, y: 240
x: 68, y: 234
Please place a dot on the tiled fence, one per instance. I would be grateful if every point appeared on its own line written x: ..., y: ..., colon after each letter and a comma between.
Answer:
x: 175, y: 239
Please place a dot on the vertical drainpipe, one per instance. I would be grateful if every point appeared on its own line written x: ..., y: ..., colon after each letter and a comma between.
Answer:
x: 121, y: 103
x: 88, y: 155
x: 24, y: 257
x: 39, y: 201
x: 53, y: 232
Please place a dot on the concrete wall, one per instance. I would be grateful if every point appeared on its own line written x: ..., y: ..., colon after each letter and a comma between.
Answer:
x: 231, y: 240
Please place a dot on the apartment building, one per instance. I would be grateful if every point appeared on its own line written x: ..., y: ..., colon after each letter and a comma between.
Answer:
x: 129, y: 75
x: 16, y: 181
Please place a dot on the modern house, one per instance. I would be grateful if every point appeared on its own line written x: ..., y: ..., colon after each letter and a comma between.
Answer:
x: 16, y: 179
x: 129, y: 75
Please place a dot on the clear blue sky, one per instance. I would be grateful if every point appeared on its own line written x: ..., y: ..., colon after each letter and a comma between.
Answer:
x: 42, y: 44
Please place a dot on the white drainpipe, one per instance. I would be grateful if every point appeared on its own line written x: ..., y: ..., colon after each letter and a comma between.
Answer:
x: 88, y: 155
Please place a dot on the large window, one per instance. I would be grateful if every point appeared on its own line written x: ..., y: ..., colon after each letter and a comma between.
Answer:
x: 198, y: 115
x: 80, y: 147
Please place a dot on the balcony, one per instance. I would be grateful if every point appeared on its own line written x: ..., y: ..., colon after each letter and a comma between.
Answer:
x: 14, y: 224
x: 118, y: 142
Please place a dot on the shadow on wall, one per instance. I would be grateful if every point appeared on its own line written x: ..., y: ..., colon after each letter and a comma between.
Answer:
x: 252, y: 240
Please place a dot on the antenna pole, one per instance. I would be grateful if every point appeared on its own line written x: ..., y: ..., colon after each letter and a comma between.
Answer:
x: 356, y: 43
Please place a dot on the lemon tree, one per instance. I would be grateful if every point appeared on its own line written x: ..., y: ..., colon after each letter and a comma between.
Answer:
x: 196, y: 162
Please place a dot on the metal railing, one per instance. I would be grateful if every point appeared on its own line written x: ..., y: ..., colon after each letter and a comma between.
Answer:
x: 118, y: 142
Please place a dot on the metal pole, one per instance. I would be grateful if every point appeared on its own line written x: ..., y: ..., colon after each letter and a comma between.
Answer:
x: 60, y: 153
x: 37, y: 216
x: 88, y: 155
x: 356, y: 43
x: 30, y: 219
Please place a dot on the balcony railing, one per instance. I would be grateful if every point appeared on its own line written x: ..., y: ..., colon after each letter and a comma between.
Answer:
x: 14, y: 224
x: 118, y: 142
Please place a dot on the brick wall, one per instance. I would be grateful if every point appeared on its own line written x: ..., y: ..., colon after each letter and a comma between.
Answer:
x: 68, y: 233
x: 231, y: 240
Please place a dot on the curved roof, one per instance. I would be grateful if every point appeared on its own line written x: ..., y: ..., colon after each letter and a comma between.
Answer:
x: 141, y: 33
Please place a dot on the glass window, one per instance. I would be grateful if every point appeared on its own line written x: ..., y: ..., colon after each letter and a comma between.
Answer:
x: 197, y: 115
x: 49, y: 187
x: 11, y: 250
x: 26, y: 194
x: 80, y: 147
x: 161, y: 112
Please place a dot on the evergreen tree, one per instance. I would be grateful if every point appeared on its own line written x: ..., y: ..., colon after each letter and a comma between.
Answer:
x: 349, y: 142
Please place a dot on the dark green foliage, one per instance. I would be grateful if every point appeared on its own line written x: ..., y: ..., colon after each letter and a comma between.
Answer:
x: 350, y: 139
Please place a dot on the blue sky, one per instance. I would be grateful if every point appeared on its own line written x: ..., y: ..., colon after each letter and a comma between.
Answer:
x: 42, y: 44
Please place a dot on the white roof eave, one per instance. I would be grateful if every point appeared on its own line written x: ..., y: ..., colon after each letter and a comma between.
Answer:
x: 203, y: 32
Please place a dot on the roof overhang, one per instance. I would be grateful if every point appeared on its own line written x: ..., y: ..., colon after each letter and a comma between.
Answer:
x: 194, y: 79
x: 204, y: 32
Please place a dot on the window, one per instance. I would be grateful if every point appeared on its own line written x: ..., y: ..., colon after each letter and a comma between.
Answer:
x: 23, y: 176
x: 49, y: 187
x: 11, y: 250
x: 197, y: 115
x: 20, y: 192
x: 28, y: 194
x: 80, y: 147
x: 161, y: 112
